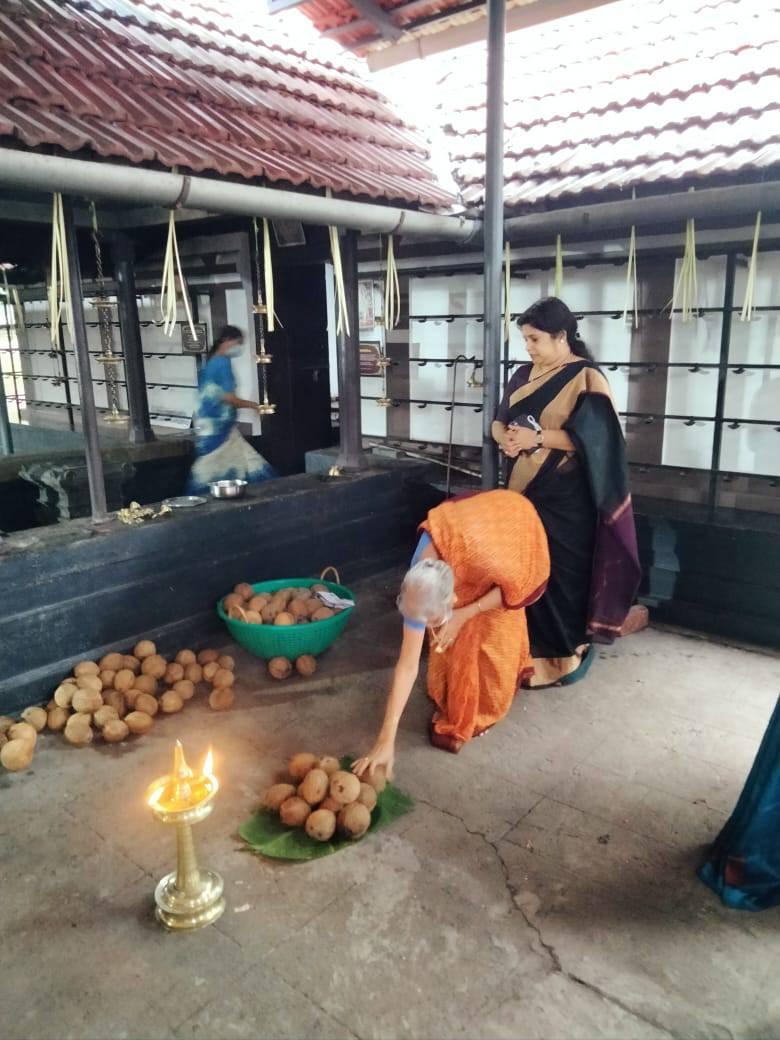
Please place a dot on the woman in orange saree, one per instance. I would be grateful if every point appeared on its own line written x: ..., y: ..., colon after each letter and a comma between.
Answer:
x: 481, y: 560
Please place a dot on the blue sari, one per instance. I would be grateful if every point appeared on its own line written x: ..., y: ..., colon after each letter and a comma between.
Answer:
x: 744, y: 864
x: 221, y: 452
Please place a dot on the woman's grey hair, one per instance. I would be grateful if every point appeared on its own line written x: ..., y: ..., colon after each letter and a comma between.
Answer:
x: 431, y: 584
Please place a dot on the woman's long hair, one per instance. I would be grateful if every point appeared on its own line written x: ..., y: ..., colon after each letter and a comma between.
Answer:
x: 551, y: 315
x: 224, y: 335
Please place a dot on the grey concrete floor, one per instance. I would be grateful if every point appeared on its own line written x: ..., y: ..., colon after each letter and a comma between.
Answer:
x: 543, y: 887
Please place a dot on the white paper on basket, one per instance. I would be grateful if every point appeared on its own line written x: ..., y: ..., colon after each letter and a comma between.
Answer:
x: 330, y: 599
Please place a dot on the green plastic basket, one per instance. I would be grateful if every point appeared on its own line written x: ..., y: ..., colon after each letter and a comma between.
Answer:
x: 290, y: 641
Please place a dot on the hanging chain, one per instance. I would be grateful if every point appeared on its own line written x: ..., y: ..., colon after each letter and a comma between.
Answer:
x: 260, y: 312
x: 107, y: 357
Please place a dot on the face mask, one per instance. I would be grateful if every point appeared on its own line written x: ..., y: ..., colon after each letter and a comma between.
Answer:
x: 234, y: 351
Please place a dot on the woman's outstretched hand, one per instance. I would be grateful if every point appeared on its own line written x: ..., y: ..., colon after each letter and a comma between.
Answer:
x: 381, y: 754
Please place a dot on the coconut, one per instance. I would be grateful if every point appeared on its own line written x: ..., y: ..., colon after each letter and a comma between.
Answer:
x: 344, y: 787
x: 4, y: 738
x: 258, y: 602
x: 23, y: 731
x: 321, y: 825
x: 236, y: 613
x: 154, y: 665
x: 284, y: 618
x: 298, y: 608
x: 306, y: 665
x: 354, y: 820
x: 226, y: 661
x: 171, y: 702
x: 124, y: 680
x: 57, y: 718
x: 91, y: 683
x: 294, y: 811
x: 276, y: 795
x: 222, y: 677
x: 146, y: 703
x: 210, y: 670
x: 331, y: 804
x: 244, y: 590
x: 322, y: 614
x: 269, y: 612
x: 173, y: 673
x: 205, y: 656
x: 145, y: 684
x: 6, y: 722
x: 185, y: 689
x: 193, y: 673
x: 115, y: 731
x: 300, y: 764
x: 251, y: 617
x: 86, y: 701
x: 16, y: 755
x: 378, y: 780
x: 36, y: 718
x: 221, y: 698
x: 139, y: 722
x: 280, y: 667
x: 231, y: 601
x: 131, y: 696
x: 111, y: 663
x: 314, y: 786
x: 367, y: 797
x: 86, y: 668
x: 104, y: 714
x: 128, y: 661
x: 107, y: 677
x: 319, y: 587
x: 329, y: 764
x: 185, y: 657
x: 78, y: 730
x: 116, y: 700
x: 144, y: 649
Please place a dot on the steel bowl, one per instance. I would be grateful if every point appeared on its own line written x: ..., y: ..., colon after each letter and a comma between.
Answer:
x: 228, y: 488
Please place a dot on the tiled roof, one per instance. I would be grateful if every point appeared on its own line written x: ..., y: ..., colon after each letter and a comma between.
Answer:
x: 626, y: 95
x: 137, y: 80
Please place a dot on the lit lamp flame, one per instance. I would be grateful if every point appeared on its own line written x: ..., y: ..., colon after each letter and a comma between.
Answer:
x: 183, y: 789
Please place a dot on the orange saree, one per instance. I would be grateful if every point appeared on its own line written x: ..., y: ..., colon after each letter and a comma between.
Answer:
x: 490, y: 539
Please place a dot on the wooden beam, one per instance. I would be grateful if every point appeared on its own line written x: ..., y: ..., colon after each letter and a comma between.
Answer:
x: 449, y: 37
x: 406, y: 10
x: 378, y: 17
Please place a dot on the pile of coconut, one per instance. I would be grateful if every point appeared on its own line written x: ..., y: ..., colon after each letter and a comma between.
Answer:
x: 118, y: 696
x: 289, y: 606
x: 323, y: 798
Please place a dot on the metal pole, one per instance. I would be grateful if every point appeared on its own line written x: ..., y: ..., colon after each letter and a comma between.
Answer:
x: 6, y: 441
x: 139, y: 428
x: 720, y: 401
x: 351, y: 444
x: 494, y: 235
x: 89, y: 424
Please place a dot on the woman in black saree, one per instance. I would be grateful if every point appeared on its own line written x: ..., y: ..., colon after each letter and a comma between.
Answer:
x: 558, y: 424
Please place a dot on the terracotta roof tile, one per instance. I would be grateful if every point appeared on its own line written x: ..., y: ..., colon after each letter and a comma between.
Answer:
x: 625, y: 95
x: 137, y: 80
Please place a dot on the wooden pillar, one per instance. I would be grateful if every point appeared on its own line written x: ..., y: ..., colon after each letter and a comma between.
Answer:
x: 140, y: 427
x: 351, y: 442
x: 89, y: 423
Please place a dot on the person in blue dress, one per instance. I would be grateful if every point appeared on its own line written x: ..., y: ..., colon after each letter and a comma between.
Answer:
x: 221, y: 452
x: 743, y: 866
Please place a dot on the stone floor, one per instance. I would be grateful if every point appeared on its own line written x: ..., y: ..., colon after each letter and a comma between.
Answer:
x: 542, y: 888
